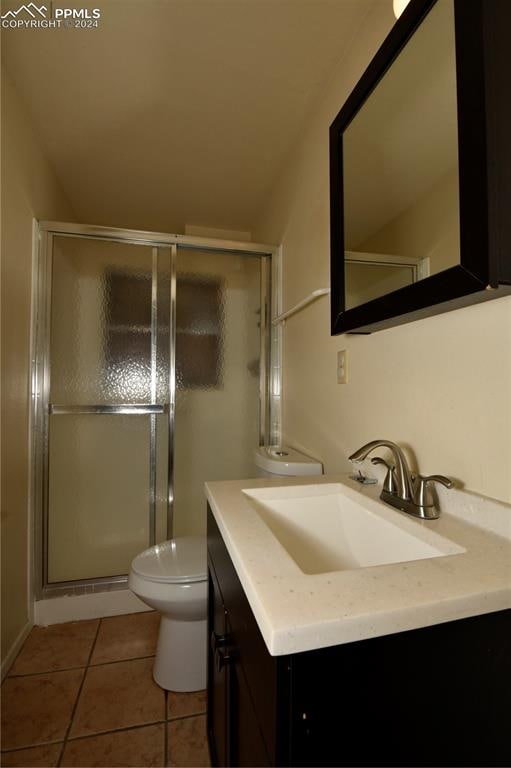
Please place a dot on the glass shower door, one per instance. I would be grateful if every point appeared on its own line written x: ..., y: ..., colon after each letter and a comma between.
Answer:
x: 219, y: 375
x: 108, y: 421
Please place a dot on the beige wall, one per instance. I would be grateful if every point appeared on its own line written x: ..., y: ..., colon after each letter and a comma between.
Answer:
x: 429, y: 228
x: 368, y: 281
x: 440, y: 386
x: 29, y: 190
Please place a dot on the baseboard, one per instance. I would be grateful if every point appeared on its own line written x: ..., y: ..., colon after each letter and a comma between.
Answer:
x: 15, y: 649
x: 57, y: 610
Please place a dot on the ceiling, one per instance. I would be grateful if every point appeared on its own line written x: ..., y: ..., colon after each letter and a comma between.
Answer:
x: 178, y: 112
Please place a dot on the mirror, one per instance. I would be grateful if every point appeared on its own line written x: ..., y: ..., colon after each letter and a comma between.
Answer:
x: 420, y: 170
x: 400, y: 168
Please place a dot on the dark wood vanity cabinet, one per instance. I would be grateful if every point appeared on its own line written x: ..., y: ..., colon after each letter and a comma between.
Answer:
x: 241, y: 673
x: 233, y: 734
x: 434, y: 696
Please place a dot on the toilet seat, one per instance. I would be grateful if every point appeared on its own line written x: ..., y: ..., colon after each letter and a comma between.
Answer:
x: 178, y: 561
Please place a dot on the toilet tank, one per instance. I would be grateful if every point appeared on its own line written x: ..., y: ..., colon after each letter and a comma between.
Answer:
x: 282, y: 460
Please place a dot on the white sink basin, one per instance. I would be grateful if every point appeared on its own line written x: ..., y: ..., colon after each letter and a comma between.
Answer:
x: 326, y: 528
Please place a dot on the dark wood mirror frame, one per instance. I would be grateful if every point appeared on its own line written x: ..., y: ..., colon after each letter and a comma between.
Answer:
x: 483, y: 73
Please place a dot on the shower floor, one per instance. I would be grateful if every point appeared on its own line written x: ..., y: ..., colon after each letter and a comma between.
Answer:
x: 82, y: 694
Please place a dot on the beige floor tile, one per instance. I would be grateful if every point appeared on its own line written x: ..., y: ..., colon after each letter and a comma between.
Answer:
x: 37, y: 709
x: 187, y: 743
x: 60, y: 646
x: 46, y: 757
x: 126, y: 637
x: 118, y: 696
x: 184, y: 704
x: 136, y: 747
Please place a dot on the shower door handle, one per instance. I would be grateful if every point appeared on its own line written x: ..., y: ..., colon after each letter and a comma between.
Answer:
x: 134, y: 409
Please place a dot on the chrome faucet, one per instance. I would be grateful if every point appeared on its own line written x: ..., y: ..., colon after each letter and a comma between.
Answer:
x: 401, y: 489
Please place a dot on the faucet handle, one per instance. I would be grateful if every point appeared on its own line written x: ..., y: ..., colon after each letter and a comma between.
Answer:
x: 422, y: 494
x: 389, y: 484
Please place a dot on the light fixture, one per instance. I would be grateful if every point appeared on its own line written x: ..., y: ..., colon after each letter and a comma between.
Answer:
x: 399, y: 6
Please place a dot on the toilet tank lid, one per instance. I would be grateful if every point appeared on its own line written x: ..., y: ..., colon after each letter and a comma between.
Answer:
x: 179, y: 560
x: 282, y: 460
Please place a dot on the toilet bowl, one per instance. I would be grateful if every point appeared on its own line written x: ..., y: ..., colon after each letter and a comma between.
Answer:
x: 171, y: 577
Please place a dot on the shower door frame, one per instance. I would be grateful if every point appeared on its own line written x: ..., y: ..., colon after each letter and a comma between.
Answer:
x: 269, y: 377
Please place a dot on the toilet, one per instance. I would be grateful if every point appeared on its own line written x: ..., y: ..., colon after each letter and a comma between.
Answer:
x: 281, y: 460
x: 172, y: 578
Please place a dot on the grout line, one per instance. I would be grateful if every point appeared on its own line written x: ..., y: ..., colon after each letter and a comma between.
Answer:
x: 186, y: 717
x: 104, y: 733
x: 166, y: 734
x: 94, y: 642
x: 82, y: 666
x: 122, y: 615
x: 47, y: 672
x: 73, y: 711
x: 92, y: 735
x: 88, y: 665
x: 117, y: 730
x: 28, y: 674
x: 72, y: 717
x: 120, y: 661
x: 31, y: 746
x: 133, y: 727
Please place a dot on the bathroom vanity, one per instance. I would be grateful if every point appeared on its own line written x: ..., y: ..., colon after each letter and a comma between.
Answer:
x: 398, y: 663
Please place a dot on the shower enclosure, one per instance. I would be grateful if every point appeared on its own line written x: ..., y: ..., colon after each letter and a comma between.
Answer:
x: 150, y: 376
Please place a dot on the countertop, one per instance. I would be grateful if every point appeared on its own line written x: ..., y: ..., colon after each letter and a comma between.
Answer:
x: 298, y: 612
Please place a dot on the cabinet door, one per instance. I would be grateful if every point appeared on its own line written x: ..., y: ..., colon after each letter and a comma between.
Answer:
x: 217, y: 678
x: 246, y: 741
x: 255, y: 669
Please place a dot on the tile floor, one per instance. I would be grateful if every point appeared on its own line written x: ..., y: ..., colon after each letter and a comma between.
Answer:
x: 82, y: 694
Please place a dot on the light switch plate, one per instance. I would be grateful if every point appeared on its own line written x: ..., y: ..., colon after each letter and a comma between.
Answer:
x: 342, y: 367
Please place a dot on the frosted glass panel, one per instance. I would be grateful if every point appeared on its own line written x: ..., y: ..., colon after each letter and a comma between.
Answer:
x: 100, y: 322
x: 98, y: 515
x: 109, y: 345
x: 108, y: 475
x: 217, y: 377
